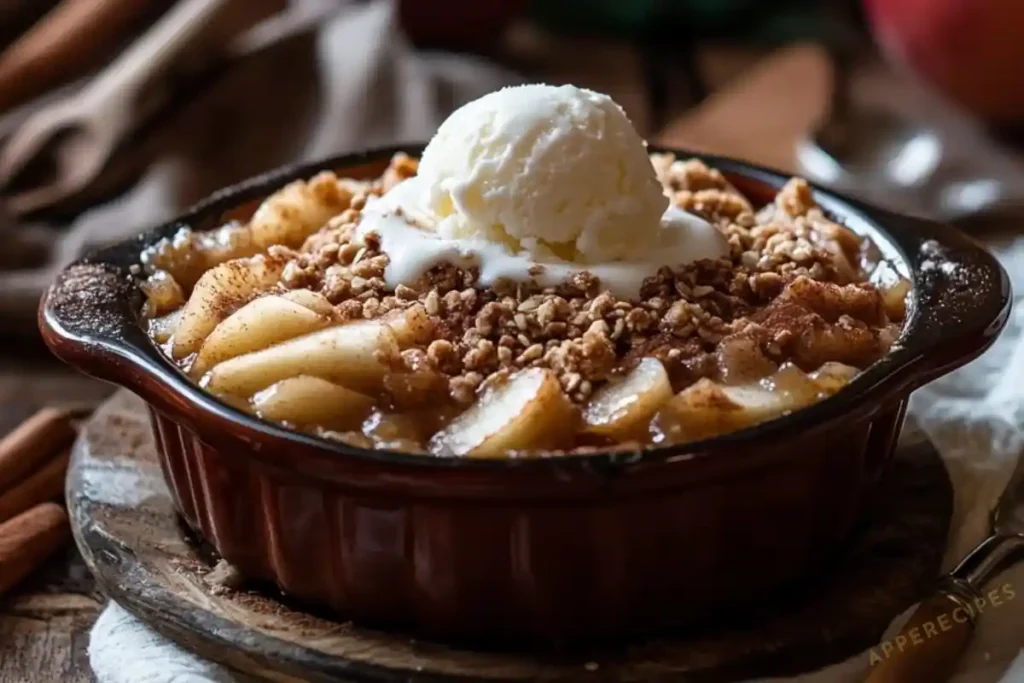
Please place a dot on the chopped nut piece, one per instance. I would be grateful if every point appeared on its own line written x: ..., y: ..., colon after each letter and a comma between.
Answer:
x: 531, y: 354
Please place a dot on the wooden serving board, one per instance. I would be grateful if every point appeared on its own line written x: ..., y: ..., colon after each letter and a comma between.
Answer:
x: 133, y: 541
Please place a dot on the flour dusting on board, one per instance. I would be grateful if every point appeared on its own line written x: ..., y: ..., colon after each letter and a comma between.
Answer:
x: 117, y: 481
x: 112, y: 472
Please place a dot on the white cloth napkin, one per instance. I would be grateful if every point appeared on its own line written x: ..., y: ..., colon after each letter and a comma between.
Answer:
x: 358, y: 84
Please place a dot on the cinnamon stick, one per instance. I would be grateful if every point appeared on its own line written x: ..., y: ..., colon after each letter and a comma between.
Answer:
x: 29, y: 539
x: 46, y: 483
x: 34, y: 442
x: 76, y: 36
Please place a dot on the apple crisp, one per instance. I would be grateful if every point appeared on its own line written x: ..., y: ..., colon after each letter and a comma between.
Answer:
x: 290, y: 317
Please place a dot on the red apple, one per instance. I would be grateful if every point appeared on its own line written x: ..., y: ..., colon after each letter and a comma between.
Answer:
x: 971, y: 50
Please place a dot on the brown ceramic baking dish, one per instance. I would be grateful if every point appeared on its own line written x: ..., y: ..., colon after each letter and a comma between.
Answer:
x: 547, y: 550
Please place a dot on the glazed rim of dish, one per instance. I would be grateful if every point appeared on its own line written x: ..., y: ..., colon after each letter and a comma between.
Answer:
x: 959, y: 302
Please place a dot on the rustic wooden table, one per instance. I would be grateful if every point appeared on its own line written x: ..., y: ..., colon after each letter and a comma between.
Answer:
x: 44, y: 625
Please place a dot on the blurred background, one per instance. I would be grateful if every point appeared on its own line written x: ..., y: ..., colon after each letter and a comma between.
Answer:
x: 117, y: 114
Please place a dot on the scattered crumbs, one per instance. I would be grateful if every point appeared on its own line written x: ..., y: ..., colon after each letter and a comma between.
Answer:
x: 189, y: 566
x: 223, y: 578
x: 118, y: 484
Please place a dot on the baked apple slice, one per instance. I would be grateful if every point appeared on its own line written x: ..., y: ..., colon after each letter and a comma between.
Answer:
x: 259, y: 324
x: 708, y: 409
x: 217, y: 294
x: 623, y: 409
x: 297, y: 210
x: 307, y: 401
x: 406, y: 431
x: 527, y: 411
x: 356, y: 356
x: 314, y: 301
x: 162, y: 329
x: 831, y: 377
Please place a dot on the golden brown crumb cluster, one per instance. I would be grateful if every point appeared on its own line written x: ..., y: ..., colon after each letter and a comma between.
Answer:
x: 791, y: 290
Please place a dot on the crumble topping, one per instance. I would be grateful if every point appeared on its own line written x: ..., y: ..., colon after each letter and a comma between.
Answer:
x: 791, y: 290
x: 254, y: 313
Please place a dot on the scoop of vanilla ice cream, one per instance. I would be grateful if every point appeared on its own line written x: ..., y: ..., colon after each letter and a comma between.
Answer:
x: 547, y: 170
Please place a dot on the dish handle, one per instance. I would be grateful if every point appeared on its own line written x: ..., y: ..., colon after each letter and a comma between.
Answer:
x: 88, y: 318
x: 962, y: 295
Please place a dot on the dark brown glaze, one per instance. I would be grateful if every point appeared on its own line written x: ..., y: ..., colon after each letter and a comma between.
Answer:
x: 551, y: 550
